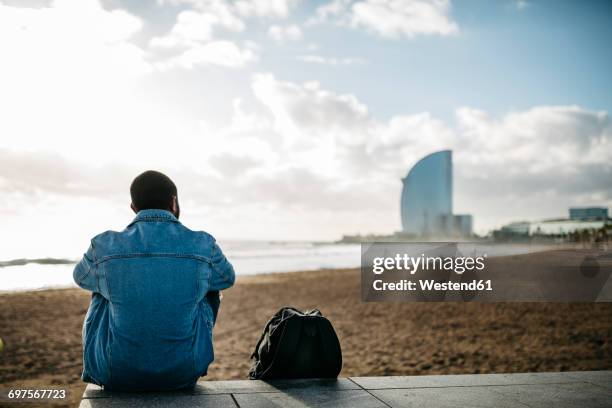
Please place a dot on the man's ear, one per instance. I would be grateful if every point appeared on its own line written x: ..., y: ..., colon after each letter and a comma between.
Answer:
x: 174, y: 206
x: 134, y: 208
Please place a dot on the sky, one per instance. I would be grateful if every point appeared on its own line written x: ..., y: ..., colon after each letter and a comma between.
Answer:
x: 296, y: 120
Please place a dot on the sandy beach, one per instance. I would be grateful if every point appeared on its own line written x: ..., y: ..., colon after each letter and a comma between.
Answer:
x: 42, y: 332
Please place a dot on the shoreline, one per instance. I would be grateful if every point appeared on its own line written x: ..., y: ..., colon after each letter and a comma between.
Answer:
x: 42, y: 331
x: 249, y: 278
x: 255, y: 278
x: 511, y: 249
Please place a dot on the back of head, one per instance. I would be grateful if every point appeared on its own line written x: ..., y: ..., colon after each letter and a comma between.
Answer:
x: 152, y: 190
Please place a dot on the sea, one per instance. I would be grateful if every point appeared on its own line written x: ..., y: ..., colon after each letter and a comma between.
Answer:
x: 248, y: 258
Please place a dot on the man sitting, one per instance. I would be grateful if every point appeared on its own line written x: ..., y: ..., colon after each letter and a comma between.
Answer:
x: 154, y: 296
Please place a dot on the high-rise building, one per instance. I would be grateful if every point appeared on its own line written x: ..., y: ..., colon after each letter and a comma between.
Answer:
x: 427, y: 196
x: 427, y: 199
x: 585, y: 213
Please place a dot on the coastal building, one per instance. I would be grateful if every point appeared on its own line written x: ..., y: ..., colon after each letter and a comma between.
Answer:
x: 565, y: 226
x: 462, y: 224
x: 591, y: 220
x: 586, y: 213
x: 427, y: 199
x: 516, y: 228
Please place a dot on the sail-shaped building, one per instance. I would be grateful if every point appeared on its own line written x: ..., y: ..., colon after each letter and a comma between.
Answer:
x: 427, y: 199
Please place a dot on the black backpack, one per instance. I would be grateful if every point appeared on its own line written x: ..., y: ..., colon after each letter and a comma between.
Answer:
x: 297, y: 344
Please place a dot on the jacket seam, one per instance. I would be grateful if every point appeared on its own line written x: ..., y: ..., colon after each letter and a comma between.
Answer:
x: 82, y: 277
x: 153, y: 255
x: 109, y: 342
x: 226, y: 279
x: 95, y: 265
x: 90, y: 265
x: 197, y: 308
x: 154, y: 219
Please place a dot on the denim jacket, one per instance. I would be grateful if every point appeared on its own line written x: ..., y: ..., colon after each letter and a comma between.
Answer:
x: 149, y: 324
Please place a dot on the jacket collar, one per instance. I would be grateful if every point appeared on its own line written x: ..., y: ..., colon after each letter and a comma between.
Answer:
x: 154, y: 215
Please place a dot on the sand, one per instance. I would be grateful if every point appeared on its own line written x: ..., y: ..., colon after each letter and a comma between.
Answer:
x: 42, y: 332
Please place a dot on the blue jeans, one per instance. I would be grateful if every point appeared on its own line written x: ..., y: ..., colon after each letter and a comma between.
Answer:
x: 214, y: 300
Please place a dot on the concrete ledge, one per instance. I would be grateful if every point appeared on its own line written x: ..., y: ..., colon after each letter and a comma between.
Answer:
x: 567, y: 389
x: 235, y: 387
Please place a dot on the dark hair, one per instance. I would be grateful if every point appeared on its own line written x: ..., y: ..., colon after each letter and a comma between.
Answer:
x: 152, y: 190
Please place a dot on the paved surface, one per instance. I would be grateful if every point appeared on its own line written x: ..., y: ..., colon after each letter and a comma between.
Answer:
x: 558, y: 390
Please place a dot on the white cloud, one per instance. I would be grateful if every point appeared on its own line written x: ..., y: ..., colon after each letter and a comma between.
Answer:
x: 82, y: 114
x: 244, y: 8
x: 73, y: 83
x: 300, y: 134
x: 397, y: 18
x: 312, y: 162
x: 265, y: 8
x: 39, y: 173
x: 285, y: 33
x: 221, y: 53
x: 543, y: 159
x: 319, y: 161
x: 195, y: 38
x: 545, y: 140
x: 65, y: 70
x: 193, y: 27
x: 333, y: 61
x: 330, y: 11
x: 306, y: 112
x: 192, y: 40
x: 47, y: 36
x: 532, y: 164
x: 391, y: 18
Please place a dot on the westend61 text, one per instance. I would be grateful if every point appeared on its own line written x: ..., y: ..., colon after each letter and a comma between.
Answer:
x: 430, y: 284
